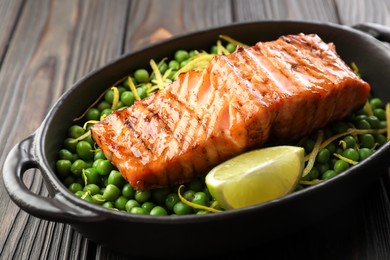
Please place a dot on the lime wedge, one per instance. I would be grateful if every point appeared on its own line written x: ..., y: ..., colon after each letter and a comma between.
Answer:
x: 256, y: 176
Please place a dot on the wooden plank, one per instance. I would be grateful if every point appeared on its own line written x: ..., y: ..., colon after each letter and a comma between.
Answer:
x: 153, y: 20
x: 303, y: 10
x: 9, y: 13
x: 65, y: 40
x: 358, y: 11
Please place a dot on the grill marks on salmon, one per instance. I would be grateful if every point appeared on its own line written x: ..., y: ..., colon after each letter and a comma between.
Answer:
x: 278, y: 90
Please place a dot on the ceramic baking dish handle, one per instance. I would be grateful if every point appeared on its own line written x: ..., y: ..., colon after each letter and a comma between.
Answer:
x: 379, y: 31
x: 55, y: 208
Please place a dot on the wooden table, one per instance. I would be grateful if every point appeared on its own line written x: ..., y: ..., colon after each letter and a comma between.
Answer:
x: 47, y: 45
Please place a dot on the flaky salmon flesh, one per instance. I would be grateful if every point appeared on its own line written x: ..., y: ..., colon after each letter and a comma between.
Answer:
x: 278, y: 90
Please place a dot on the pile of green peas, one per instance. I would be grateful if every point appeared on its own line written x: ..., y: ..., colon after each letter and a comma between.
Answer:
x: 86, y: 172
x: 350, y: 147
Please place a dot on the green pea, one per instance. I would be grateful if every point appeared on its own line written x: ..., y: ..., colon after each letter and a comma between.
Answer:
x: 380, y: 139
x: 200, y: 198
x: 109, y: 96
x: 108, y: 204
x: 87, y: 197
x: 93, y: 114
x: 363, y: 124
x: 313, y: 174
x: 127, y: 98
x: 350, y: 141
x: 127, y: 191
x: 374, y: 122
x: 181, y: 55
x: 160, y: 194
x: 367, y: 140
x: 79, y: 193
x: 189, y: 195
x: 380, y: 113
x: 84, y: 150
x: 351, y: 154
x: 141, y: 76
x: 214, y: 49
x: 65, y: 154
x: 70, y: 144
x: 328, y: 174
x: 148, y: 206
x: 111, y: 192
x: 340, y: 166
x: 74, y: 187
x: 183, y: 63
x: 231, y: 47
x: 322, y: 167
x: 104, y: 167
x: 116, y: 178
x: 98, y: 199
x: 75, y: 131
x: 142, y: 93
x: 99, y: 155
x: 323, y: 156
x: 77, y: 167
x: 173, y: 64
x: 158, y: 211
x: 181, y: 208
x: 376, y: 103
x: 171, y: 200
x: 106, y: 112
x: 364, y: 153
x: 92, y: 189
x: 382, y: 124
x: 63, y: 167
x: 331, y: 148
x: 163, y: 67
x: 103, y: 105
x: 120, y: 203
x: 142, y: 196
x: 131, y: 204
x: 138, y: 210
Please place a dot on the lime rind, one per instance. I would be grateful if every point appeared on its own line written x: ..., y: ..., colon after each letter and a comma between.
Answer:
x: 256, y: 177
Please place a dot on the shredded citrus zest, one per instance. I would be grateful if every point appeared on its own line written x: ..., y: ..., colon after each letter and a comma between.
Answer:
x: 221, y: 50
x: 312, y: 156
x: 343, y: 144
x: 388, y: 120
x: 231, y: 40
x: 81, y: 137
x: 115, y: 100
x: 91, y: 106
x: 368, y: 108
x: 312, y: 182
x: 159, y: 81
x: 345, y: 159
x: 133, y: 88
x: 355, y: 69
x: 194, y: 205
x: 89, y: 122
x: 197, y: 62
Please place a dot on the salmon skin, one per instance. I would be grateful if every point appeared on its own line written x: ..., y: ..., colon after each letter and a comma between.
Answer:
x: 278, y: 90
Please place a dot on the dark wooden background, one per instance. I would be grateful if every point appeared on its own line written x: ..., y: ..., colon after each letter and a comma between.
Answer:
x: 47, y: 45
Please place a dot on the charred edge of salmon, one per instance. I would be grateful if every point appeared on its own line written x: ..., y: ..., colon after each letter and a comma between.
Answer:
x: 275, y: 90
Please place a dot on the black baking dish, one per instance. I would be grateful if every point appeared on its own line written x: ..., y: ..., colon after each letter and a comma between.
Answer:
x: 155, y: 234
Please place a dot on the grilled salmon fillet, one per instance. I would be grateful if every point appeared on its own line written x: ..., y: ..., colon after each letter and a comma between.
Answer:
x: 277, y: 90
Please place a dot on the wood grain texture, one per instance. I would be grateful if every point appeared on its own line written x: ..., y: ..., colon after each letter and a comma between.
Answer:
x: 54, y: 44
x: 358, y: 11
x: 9, y: 13
x: 302, y: 10
x: 153, y: 20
